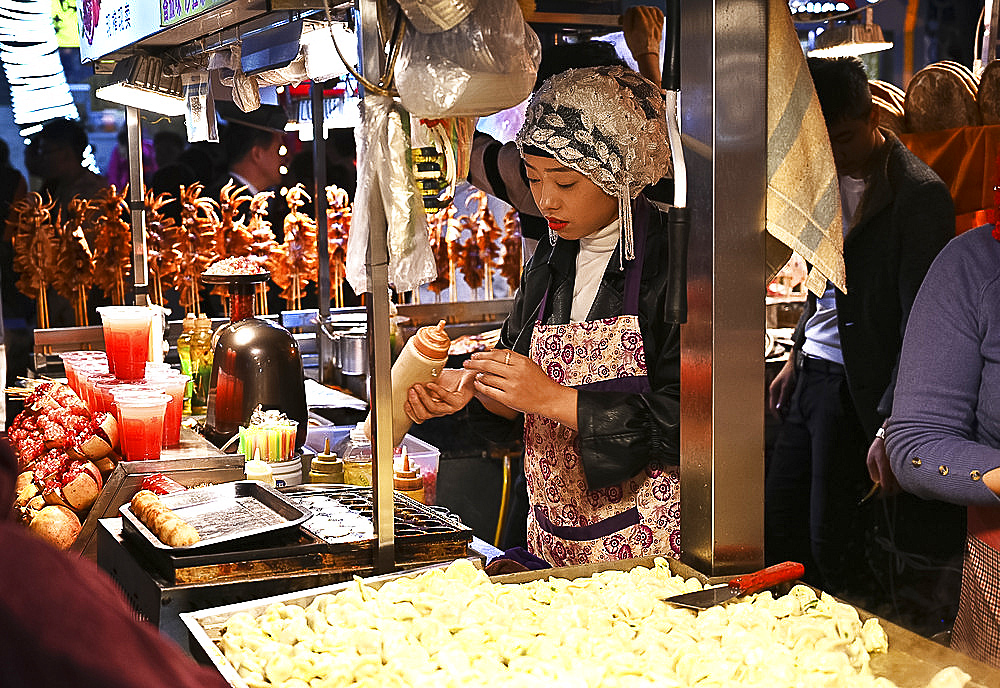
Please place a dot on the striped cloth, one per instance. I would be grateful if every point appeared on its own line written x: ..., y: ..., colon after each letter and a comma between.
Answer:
x: 803, y: 198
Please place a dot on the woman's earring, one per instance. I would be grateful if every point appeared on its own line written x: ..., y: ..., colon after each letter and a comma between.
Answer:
x: 553, y: 237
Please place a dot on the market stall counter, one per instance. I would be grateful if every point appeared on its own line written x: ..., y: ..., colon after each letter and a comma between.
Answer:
x: 333, y: 543
x: 592, y: 625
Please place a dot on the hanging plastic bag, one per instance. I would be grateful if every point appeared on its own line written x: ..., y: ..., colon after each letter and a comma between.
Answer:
x: 432, y: 16
x: 199, y: 116
x: 484, y: 64
x: 387, y: 196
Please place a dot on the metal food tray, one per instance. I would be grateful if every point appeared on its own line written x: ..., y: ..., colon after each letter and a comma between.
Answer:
x: 911, y: 661
x: 224, y: 515
x: 354, y: 505
x: 195, y: 462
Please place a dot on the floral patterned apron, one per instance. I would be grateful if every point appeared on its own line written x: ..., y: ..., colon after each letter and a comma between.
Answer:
x: 568, y: 523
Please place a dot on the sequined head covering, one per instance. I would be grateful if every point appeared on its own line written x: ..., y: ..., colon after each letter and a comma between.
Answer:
x: 608, y: 124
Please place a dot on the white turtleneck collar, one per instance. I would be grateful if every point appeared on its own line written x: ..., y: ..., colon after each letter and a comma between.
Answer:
x: 591, y: 262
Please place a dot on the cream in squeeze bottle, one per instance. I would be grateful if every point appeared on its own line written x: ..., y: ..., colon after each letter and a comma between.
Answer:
x: 421, y: 360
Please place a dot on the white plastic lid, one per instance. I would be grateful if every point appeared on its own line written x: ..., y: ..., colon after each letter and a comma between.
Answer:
x: 358, y: 433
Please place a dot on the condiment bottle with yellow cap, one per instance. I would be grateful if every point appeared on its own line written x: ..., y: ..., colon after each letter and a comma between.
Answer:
x: 406, y: 478
x: 326, y: 467
x: 421, y: 360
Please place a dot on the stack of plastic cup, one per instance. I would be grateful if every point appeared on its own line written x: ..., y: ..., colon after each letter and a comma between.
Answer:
x: 159, y: 367
x: 74, y: 359
x: 126, y: 339
x: 172, y: 383
x: 97, y: 402
x: 140, y: 418
x: 85, y: 372
x: 103, y: 386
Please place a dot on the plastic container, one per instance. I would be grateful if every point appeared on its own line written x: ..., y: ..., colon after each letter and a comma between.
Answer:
x: 287, y: 473
x: 424, y: 455
x: 356, y: 451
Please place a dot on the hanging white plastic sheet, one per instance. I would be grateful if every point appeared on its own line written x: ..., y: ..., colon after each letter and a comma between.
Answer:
x: 387, y: 196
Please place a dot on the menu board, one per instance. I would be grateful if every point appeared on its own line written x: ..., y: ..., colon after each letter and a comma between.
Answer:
x: 109, y: 25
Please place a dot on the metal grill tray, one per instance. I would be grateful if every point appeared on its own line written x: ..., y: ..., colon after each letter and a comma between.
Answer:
x: 343, y: 513
x: 423, y: 534
x: 227, y: 515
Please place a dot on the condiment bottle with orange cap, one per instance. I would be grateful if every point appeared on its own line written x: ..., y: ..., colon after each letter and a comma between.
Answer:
x: 406, y: 477
x: 421, y: 360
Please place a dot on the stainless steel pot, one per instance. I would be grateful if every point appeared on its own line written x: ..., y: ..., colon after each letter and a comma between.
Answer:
x: 352, y: 351
x: 331, y: 349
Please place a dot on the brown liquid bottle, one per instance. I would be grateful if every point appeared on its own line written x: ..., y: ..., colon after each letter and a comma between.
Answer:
x: 421, y: 360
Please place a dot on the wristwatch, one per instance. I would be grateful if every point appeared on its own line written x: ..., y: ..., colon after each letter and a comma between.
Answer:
x: 880, y: 433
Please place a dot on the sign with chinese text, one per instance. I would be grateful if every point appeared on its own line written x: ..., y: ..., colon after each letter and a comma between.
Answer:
x: 174, y: 11
x: 110, y: 25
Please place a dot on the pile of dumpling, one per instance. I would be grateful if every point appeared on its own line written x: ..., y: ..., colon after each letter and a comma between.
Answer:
x: 454, y: 627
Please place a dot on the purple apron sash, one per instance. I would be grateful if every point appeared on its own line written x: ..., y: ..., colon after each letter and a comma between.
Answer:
x: 594, y: 531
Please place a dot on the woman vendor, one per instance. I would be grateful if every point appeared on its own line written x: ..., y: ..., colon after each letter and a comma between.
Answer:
x: 586, y: 357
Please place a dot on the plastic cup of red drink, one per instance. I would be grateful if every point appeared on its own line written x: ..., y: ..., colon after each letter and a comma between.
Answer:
x: 172, y: 384
x: 140, y: 418
x: 72, y: 360
x: 100, y: 398
x: 126, y: 339
x: 85, y: 373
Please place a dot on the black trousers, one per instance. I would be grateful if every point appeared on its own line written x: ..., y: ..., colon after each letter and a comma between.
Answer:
x: 815, y: 479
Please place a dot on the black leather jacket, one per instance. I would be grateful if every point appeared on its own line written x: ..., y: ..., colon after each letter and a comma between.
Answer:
x: 620, y: 433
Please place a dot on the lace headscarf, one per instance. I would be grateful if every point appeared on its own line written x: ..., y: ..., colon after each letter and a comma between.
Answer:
x: 608, y: 124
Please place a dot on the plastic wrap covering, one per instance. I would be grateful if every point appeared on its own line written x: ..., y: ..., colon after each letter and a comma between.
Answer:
x: 387, y: 195
x: 432, y: 16
x: 485, y: 64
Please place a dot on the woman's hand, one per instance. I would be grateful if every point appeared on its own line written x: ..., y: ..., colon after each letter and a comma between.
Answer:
x: 879, y: 468
x: 518, y: 383
x: 449, y: 393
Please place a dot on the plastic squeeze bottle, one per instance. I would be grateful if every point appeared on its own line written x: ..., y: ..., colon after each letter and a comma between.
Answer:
x: 259, y: 470
x: 406, y: 477
x: 201, y: 363
x: 421, y: 360
x: 184, y: 353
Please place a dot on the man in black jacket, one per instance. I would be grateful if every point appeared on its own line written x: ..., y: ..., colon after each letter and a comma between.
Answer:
x: 836, y: 389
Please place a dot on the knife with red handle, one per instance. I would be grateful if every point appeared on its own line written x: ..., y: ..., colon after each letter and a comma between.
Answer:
x: 739, y: 586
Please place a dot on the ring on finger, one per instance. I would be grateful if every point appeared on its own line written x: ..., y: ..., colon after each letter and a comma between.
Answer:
x: 506, y: 359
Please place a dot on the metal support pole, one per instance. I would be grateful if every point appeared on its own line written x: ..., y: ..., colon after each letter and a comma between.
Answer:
x: 322, y: 230
x: 137, y: 206
x: 379, y: 356
x: 724, y: 72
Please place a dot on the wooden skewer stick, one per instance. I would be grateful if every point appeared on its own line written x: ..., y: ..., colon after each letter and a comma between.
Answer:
x: 43, y: 306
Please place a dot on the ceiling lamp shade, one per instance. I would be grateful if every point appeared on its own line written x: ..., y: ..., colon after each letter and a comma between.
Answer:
x: 839, y: 40
x: 138, y: 81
